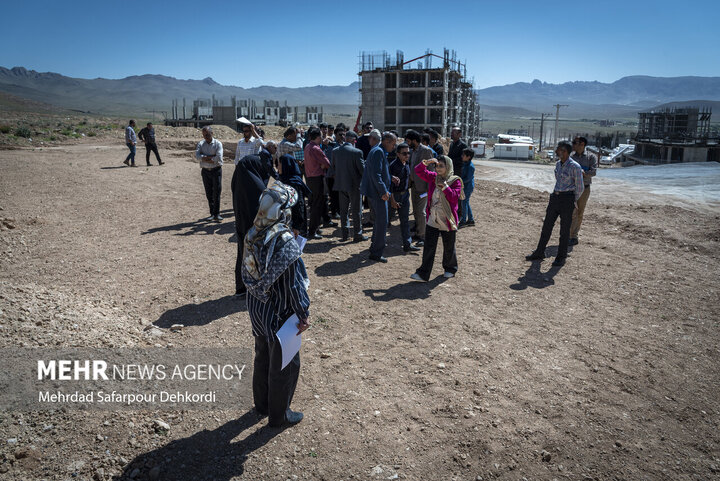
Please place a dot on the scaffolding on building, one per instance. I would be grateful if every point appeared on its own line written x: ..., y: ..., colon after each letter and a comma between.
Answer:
x: 396, y: 94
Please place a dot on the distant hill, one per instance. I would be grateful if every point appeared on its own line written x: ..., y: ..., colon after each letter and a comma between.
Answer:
x: 142, y: 93
x: 622, y: 97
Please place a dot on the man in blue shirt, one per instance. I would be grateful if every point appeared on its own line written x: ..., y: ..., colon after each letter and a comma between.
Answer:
x: 375, y: 185
x: 569, y: 187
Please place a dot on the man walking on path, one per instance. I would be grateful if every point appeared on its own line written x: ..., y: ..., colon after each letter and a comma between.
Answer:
x: 563, y: 200
x: 209, y: 152
x: 588, y: 162
x: 147, y: 135
x: 131, y: 142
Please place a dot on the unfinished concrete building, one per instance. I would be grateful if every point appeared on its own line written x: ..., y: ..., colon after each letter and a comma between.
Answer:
x: 674, y: 135
x: 400, y: 95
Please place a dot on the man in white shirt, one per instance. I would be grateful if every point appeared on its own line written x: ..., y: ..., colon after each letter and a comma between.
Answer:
x: 250, y: 144
x: 210, y: 154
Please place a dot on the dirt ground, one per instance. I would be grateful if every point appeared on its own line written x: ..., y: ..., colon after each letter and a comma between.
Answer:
x: 606, y: 368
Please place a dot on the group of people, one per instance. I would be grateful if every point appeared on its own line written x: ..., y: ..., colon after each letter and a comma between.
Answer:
x: 147, y: 135
x: 325, y: 175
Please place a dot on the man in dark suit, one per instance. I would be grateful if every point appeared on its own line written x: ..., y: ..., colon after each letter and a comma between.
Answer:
x: 348, y: 164
x: 375, y: 184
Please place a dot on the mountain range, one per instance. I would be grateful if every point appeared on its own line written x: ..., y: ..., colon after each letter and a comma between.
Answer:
x: 143, y: 93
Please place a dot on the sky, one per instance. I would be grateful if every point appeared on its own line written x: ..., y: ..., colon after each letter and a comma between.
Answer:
x: 297, y: 44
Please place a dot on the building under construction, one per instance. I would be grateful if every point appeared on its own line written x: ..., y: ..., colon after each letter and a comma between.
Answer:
x: 400, y: 95
x: 270, y: 112
x: 673, y: 135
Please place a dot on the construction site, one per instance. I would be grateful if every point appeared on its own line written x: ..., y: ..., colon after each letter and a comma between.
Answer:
x: 396, y: 94
x: 673, y: 135
x: 266, y: 112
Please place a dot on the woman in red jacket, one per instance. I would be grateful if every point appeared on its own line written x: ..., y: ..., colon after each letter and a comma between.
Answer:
x: 445, y: 190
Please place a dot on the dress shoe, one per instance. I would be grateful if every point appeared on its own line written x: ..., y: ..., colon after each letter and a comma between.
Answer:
x: 448, y: 275
x: 291, y: 417
x: 368, y: 224
x: 217, y: 218
x: 330, y: 224
x: 211, y: 218
x: 345, y: 235
x: 535, y: 256
x: 149, y: 164
x: 461, y: 224
x: 133, y: 165
x: 160, y: 162
x: 379, y: 259
x: 126, y: 162
x: 470, y: 223
x: 559, y: 261
x: 411, y: 248
x: 420, y: 243
x: 573, y: 241
x: 315, y: 236
x: 360, y: 238
x: 416, y: 277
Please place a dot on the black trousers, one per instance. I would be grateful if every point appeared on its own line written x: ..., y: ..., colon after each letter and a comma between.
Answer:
x: 317, y: 201
x: 334, y: 197
x: 560, y: 205
x: 273, y: 389
x: 239, y: 284
x: 151, y: 147
x: 299, y: 216
x: 212, y: 180
x: 449, y: 260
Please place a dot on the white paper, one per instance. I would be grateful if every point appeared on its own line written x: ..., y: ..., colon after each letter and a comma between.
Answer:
x: 301, y: 241
x: 289, y: 339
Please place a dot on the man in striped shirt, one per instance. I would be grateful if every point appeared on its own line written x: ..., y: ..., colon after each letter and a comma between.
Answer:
x: 569, y: 187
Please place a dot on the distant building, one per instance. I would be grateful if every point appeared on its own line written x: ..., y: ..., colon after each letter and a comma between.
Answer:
x: 675, y: 135
x: 211, y: 111
x: 395, y: 95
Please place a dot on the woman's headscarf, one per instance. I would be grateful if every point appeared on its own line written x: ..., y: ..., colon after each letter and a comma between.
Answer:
x: 292, y: 176
x: 248, y: 183
x: 450, y: 178
x: 270, y: 246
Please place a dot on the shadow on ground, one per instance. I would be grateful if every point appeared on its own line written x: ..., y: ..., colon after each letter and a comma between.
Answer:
x: 206, y: 455
x: 535, y: 278
x: 410, y: 290
x: 200, y: 314
x: 200, y: 226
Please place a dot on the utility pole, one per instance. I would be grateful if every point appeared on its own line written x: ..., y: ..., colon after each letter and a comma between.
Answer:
x: 557, y: 116
x: 542, y: 124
